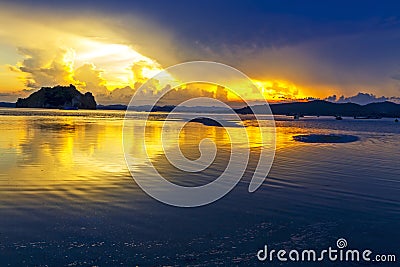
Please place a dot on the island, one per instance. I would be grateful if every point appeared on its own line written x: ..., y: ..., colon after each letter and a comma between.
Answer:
x: 325, y: 108
x: 61, y: 97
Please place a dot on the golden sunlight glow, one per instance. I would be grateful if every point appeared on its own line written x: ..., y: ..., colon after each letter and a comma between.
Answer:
x: 10, y: 80
x: 95, y: 59
x: 277, y: 90
x: 116, y: 60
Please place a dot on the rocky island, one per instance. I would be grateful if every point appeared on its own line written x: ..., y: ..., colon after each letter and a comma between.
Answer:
x: 62, y: 97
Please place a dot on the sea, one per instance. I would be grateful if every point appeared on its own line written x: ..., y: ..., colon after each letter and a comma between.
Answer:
x: 68, y: 198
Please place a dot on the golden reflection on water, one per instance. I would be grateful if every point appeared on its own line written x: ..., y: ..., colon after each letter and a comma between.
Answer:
x: 82, y: 152
x: 193, y: 133
x: 64, y: 179
x: 160, y: 136
x: 45, y: 150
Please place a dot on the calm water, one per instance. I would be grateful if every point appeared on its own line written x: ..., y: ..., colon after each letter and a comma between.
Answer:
x: 67, y: 197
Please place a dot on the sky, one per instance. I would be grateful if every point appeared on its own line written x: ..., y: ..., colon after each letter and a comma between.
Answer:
x: 293, y: 50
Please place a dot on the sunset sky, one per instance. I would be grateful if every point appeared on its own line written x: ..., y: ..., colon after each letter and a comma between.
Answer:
x: 292, y: 50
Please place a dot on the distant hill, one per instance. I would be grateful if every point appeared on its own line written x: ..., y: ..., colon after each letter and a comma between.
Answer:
x: 168, y: 108
x: 112, y: 107
x: 69, y: 96
x: 7, y: 105
x: 58, y: 97
x: 312, y: 108
x: 325, y: 108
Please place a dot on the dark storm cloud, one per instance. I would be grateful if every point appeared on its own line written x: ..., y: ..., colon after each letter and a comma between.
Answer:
x: 253, y: 22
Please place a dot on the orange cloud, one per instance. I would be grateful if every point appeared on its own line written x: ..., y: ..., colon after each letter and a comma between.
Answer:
x: 45, y: 68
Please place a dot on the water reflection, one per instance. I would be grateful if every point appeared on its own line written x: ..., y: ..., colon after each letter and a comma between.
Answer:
x: 65, y: 189
x: 60, y: 150
x: 50, y: 150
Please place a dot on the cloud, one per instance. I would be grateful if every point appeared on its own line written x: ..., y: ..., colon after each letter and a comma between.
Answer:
x: 338, y: 57
x: 13, y: 96
x: 49, y: 68
x: 396, y: 77
x: 277, y: 90
x: 283, y: 90
x: 96, y: 51
x: 194, y: 90
x: 331, y: 98
x: 361, y: 98
x: 139, y: 68
x: 180, y: 94
x: 118, y: 96
x: 340, y: 63
x: 52, y: 67
x: 221, y: 93
x: 394, y: 99
x: 45, y: 67
x: 88, y: 78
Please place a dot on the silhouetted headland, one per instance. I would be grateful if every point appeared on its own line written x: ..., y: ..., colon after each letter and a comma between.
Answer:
x: 325, y: 108
x: 62, y: 97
